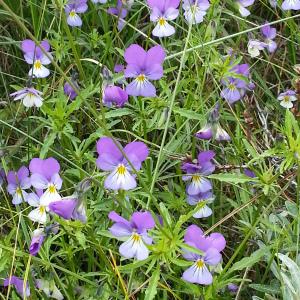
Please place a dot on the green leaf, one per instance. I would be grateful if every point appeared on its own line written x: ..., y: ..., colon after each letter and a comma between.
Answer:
x: 152, y: 287
x: 265, y: 288
x: 249, y: 261
x: 118, y: 113
x: 47, y: 144
x: 81, y: 239
x: 232, y: 178
x: 189, y: 114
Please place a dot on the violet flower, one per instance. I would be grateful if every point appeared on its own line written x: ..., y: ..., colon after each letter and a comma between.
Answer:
x: 269, y: 34
x: 18, y: 182
x: 114, y: 95
x: 242, y: 4
x: 143, y: 66
x: 37, y: 240
x: 201, y: 200
x: 233, y: 288
x: 118, y: 68
x: 211, y: 246
x: 195, y: 10
x: 39, y: 214
x: 235, y: 88
x: 254, y: 47
x: 18, y: 283
x: 111, y: 159
x: 45, y: 177
x: 30, y: 97
x: 99, y: 1
x: 196, y: 172
x: 72, y: 9
x: 135, y: 233
x: 121, y: 12
x: 49, y: 288
x: 213, y: 129
x: 290, y: 4
x: 163, y: 11
x: 69, y: 90
x: 34, y: 55
x: 287, y: 98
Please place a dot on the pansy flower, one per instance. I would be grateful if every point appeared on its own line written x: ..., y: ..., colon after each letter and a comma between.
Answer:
x: 269, y: 34
x: 143, y: 66
x: 287, y: 98
x: 45, y: 176
x: 213, y: 129
x: 72, y: 9
x: 242, y: 4
x: 69, y: 90
x: 37, y: 240
x: 201, y: 199
x: 18, y: 283
x: 111, y: 159
x: 49, y: 288
x: 121, y: 12
x: 99, y: 1
x: 38, y: 214
x: 254, y: 47
x: 30, y: 97
x: 134, y: 232
x: 211, y: 247
x: 114, y: 95
x: 196, y: 172
x: 163, y: 11
x: 195, y: 10
x: 34, y: 55
x: 18, y: 182
x: 290, y: 4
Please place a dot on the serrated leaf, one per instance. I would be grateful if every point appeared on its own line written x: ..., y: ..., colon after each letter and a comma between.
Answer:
x: 152, y: 287
x: 249, y: 261
x: 81, y: 239
x: 232, y: 178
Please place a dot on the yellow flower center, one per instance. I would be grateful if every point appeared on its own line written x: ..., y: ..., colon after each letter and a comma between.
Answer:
x: 200, y: 263
x: 72, y: 13
x: 141, y: 78
x: 42, y: 209
x: 286, y: 99
x: 231, y: 86
x: 52, y: 189
x: 162, y: 22
x: 196, y: 178
x: 121, y: 170
x: 136, y: 237
x: 19, y: 191
x: 37, y: 64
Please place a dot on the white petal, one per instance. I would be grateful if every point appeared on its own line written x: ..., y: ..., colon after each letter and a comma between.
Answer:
x: 31, y: 100
x: 164, y: 30
x: 41, y: 72
x: 38, y: 215
x: 49, y: 196
x: 286, y: 104
x: 244, y: 11
x: 203, y: 212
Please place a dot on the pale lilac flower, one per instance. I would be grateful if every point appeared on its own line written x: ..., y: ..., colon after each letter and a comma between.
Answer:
x: 273, y: 3
x: 45, y: 176
x: 69, y: 90
x: 99, y: 1
x: 18, y: 283
x: 37, y: 240
x: 290, y: 4
x: 134, y: 232
x: 121, y: 12
x: 111, y: 159
x: 143, y: 66
x: 201, y: 199
x: 269, y: 34
x: 235, y: 88
x: 118, y: 68
x: 213, y: 129
x: 196, y: 173
x: 242, y: 4
x: 211, y: 246
x: 18, y: 182
x: 114, y: 95
x: 72, y: 9
x: 34, y: 55
x: 287, y: 98
x: 233, y: 288
x: 195, y: 10
x: 49, y: 288
x: 163, y: 11
x: 254, y: 47
x: 30, y: 97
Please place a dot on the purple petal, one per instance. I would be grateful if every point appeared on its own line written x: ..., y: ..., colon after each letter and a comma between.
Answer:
x: 198, y: 275
x: 135, y: 55
x: 146, y: 89
x: 154, y: 72
x: 205, y: 156
x: 28, y: 46
x: 117, y: 218
x: 142, y: 220
x: 63, y: 208
x: 11, y: 177
x: 216, y: 241
x: 46, y: 167
x: 205, y: 133
x: 115, y: 95
x: 22, y: 173
x: 18, y: 283
x: 212, y: 256
x: 193, y: 232
x: 36, y: 241
x: 155, y: 55
x: 136, y: 152
x: 120, y: 230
